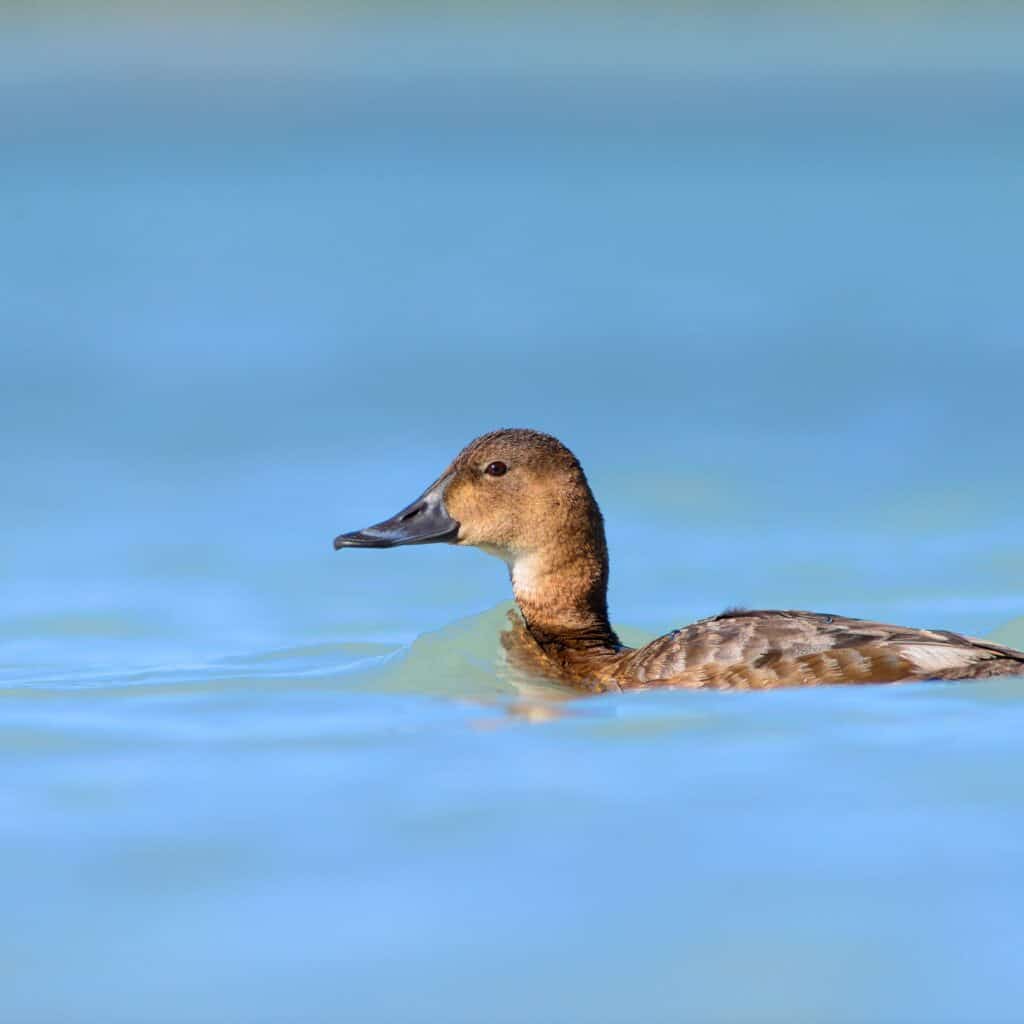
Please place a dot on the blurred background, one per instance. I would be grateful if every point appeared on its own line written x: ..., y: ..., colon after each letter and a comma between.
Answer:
x: 264, y: 270
x: 264, y: 273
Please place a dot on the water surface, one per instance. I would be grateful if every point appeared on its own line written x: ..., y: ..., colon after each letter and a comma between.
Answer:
x: 259, y: 282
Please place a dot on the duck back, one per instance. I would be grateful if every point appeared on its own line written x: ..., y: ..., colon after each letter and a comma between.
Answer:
x: 768, y: 649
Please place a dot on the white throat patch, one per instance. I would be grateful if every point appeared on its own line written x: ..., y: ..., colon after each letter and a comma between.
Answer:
x: 525, y: 575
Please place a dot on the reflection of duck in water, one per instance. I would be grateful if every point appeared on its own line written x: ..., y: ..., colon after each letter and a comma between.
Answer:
x: 522, y: 496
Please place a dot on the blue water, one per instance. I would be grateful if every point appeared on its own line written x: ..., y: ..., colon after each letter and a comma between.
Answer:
x: 259, y: 282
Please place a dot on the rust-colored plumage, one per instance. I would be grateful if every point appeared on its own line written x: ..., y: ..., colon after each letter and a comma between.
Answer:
x: 523, y: 496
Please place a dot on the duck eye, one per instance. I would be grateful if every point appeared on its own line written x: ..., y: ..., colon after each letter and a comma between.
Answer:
x: 496, y: 469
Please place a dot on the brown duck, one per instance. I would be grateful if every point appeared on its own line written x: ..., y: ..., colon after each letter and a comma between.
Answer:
x: 523, y: 496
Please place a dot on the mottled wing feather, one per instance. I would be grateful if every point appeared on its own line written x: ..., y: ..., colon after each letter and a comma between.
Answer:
x: 768, y: 649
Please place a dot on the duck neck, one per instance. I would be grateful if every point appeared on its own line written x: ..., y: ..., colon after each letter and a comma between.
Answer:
x: 563, y: 597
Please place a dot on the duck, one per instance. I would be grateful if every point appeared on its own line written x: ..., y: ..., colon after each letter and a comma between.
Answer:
x: 522, y: 496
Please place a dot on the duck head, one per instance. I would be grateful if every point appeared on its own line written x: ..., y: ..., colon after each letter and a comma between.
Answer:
x: 522, y: 496
x: 509, y: 493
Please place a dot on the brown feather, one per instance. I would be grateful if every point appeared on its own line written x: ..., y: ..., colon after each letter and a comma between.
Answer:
x: 542, y: 519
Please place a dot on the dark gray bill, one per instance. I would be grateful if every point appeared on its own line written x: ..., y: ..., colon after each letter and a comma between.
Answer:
x: 425, y: 521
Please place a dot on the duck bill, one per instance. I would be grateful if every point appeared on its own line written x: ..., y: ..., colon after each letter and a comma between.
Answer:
x: 425, y: 521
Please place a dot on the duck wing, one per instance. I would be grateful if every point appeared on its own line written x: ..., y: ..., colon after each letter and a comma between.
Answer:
x: 767, y: 649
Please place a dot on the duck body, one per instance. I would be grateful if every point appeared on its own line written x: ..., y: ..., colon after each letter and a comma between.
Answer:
x: 522, y: 496
x: 764, y: 650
